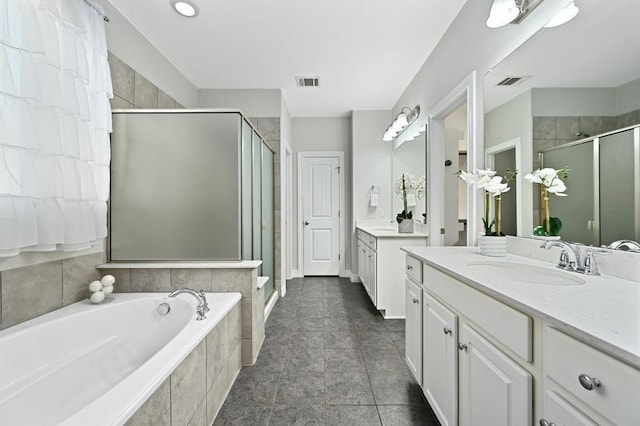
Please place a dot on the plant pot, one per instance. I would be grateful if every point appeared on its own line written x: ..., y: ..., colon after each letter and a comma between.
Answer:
x: 406, y: 226
x: 493, y: 246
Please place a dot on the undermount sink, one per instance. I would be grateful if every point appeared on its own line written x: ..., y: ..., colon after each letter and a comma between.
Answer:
x: 387, y: 228
x: 529, y: 274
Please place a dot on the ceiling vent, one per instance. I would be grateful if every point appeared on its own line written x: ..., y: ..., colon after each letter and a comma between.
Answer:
x: 513, y: 81
x: 307, y: 81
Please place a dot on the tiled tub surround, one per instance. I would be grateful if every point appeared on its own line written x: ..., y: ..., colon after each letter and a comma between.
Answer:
x: 215, y: 277
x: 30, y: 291
x: 181, y: 367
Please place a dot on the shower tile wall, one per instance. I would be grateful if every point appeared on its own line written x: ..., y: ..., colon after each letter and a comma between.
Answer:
x: 30, y: 291
x: 555, y: 131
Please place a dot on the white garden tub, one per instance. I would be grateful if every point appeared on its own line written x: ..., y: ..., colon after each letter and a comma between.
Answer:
x: 96, y: 364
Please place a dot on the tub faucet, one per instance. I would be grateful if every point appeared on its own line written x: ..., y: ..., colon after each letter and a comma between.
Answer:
x: 203, y: 306
x: 564, y: 262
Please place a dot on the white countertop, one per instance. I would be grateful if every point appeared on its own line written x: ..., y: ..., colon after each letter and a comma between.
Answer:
x: 604, y: 312
x: 389, y: 231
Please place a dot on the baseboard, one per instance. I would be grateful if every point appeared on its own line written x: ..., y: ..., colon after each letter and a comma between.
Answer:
x: 296, y: 273
x: 268, y: 307
x: 355, y: 278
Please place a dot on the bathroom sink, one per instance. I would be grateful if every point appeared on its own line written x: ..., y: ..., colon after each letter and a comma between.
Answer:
x: 388, y: 229
x: 529, y: 274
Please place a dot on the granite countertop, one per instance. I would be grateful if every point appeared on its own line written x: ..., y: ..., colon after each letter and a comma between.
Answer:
x: 389, y: 231
x: 603, y: 312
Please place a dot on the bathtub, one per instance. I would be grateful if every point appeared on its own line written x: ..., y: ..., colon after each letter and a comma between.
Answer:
x: 90, y: 364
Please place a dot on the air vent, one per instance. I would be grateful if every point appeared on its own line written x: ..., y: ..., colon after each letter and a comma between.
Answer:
x: 308, y: 81
x: 513, y: 81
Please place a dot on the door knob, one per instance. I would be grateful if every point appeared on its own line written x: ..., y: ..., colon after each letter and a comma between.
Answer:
x: 306, y: 222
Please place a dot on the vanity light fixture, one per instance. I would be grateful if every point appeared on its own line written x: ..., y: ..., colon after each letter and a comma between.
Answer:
x: 185, y: 8
x: 502, y: 12
x: 563, y: 16
x: 401, y: 122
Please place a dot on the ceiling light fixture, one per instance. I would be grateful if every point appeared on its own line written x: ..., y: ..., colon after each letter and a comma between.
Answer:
x: 185, y: 8
x: 502, y: 12
x: 401, y: 122
x: 563, y: 16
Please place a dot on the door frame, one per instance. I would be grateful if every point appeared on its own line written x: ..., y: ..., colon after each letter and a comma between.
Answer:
x: 466, y: 91
x: 287, y: 217
x: 341, y: 185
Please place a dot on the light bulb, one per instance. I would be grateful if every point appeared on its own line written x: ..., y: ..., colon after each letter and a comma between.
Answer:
x: 185, y: 8
x: 564, y: 16
x: 502, y: 12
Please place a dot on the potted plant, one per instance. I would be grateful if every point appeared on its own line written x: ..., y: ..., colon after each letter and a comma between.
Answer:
x: 493, y: 241
x: 551, y: 181
x: 408, y: 184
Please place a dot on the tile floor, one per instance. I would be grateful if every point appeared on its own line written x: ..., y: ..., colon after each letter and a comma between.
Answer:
x: 329, y: 358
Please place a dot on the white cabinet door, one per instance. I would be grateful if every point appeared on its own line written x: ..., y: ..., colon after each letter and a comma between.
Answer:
x: 558, y: 411
x: 361, y: 262
x: 440, y: 359
x: 413, y: 329
x: 373, y: 264
x: 494, y: 390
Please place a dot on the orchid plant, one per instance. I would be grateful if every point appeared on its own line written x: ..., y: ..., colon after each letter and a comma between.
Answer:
x: 551, y: 181
x: 408, y: 183
x: 494, y: 186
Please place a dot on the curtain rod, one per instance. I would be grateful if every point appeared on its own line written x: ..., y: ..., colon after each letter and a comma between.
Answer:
x: 98, y: 11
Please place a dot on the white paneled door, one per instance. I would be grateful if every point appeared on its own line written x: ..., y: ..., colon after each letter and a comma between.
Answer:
x: 321, y: 214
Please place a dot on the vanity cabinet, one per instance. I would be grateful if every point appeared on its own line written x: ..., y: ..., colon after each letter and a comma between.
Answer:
x: 467, y: 374
x: 381, y: 268
x: 583, y: 385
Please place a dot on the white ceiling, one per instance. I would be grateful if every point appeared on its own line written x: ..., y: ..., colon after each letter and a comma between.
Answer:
x: 365, y: 51
x: 600, y: 47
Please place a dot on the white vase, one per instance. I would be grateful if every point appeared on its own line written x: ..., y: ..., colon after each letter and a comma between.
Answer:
x: 406, y: 226
x: 493, y: 246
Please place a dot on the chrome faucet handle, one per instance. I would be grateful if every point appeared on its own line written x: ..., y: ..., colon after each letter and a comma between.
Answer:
x: 564, y: 260
x: 205, y: 304
x: 590, y: 264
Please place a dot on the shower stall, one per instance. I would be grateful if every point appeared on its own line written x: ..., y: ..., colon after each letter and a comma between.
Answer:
x: 190, y: 185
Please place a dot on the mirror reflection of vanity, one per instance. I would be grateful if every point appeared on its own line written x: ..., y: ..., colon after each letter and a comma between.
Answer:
x: 409, y: 157
x: 578, y: 81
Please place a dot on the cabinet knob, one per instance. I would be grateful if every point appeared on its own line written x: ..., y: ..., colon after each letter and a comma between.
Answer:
x: 409, y: 268
x: 462, y: 346
x: 415, y: 300
x: 589, y: 383
x: 545, y: 422
x: 447, y: 330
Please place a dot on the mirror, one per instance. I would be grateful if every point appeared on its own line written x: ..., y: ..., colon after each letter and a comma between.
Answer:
x: 566, y: 84
x: 409, y: 158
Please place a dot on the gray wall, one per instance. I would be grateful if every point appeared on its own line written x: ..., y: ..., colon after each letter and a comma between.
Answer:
x: 320, y: 134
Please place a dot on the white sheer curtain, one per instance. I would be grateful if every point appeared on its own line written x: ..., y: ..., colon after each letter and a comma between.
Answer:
x: 55, y: 121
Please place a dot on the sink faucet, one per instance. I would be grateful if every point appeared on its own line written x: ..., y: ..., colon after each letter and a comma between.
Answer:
x: 624, y: 245
x: 587, y: 267
x: 564, y: 262
x: 203, y: 306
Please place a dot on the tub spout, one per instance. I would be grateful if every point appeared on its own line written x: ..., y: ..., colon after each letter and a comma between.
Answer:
x: 203, y: 306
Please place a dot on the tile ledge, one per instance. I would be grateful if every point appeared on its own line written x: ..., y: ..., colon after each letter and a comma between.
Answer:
x: 241, y: 264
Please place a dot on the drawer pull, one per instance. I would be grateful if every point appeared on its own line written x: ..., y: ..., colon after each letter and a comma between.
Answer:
x: 545, y: 422
x: 589, y: 383
x: 447, y: 330
x: 462, y: 346
x: 415, y: 300
x: 409, y: 268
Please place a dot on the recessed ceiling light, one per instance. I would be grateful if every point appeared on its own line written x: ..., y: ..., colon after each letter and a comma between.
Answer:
x: 185, y: 8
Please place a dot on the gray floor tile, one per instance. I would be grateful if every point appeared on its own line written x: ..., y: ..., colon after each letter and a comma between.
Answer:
x: 378, y: 361
x: 304, y: 359
x: 301, y: 388
x: 352, y: 415
x: 391, y: 388
x: 307, y: 339
x: 254, y: 388
x: 343, y: 360
x: 271, y: 358
x: 376, y: 339
x: 394, y: 324
x: 297, y: 415
x: 406, y: 415
x: 348, y: 387
x: 340, y: 323
x: 340, y: 339
x: 242, y: 415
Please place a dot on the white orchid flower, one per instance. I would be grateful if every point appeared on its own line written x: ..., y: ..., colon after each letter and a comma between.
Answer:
x: 485, y: 180
x: 557, y: 187
x: 550, y: 179
x: 495, y: 186
x: 485, y: 172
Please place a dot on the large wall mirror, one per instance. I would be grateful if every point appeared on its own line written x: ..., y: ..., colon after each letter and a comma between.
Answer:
x: 569, y: 92
x: 409, y: 157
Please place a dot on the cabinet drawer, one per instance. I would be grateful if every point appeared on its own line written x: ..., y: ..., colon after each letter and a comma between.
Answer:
x: 372, y: 242
x: 510, y: 327
x: 566, y: 358
x: 414, y: 269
